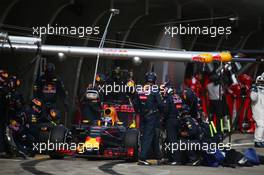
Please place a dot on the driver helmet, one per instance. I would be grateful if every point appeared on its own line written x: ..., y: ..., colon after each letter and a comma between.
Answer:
x: 91, y: 95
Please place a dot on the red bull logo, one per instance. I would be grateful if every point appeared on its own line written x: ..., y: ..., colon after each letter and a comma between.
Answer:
x: 203, y: 58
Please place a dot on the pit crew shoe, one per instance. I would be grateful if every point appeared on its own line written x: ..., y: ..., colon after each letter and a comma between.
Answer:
x: 259, y: 144
x: 3, y: 155
x: 195, y: 163
x: 143, y: 162
x: 175, y: 163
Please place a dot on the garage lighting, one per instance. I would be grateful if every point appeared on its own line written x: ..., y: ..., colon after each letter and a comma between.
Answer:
x: 19, y: 39
x: 233, y: 18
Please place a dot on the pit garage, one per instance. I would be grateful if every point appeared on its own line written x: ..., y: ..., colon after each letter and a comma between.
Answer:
x: 90, y: 46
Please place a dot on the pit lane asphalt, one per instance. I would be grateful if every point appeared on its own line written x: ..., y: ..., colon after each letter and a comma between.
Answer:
x: 42, y: 165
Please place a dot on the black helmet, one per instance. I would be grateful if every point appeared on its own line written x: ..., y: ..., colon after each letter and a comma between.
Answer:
x: 49, y: 69
x: 150, y: 77
x: 3, y: 76
x: 13, y: 82
x: 185, y: 109
x: 214, y: 78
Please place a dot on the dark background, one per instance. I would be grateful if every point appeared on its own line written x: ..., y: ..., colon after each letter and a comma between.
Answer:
x: 139, y: 21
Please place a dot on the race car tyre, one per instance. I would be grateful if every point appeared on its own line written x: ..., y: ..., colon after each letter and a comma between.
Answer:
x: 57, y: 135
x: 43, y: 136
x: 55, y: 155
x: 132, y: 141
x: 162, y: 139
x: 11, y: 145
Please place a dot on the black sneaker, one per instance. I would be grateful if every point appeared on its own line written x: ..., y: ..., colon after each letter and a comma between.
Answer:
x: 175, y: 163
x: 3, y: 155
x: 143, y: 162
x: 259, y: 145
x: 244, y: 162
x: 195, y: 162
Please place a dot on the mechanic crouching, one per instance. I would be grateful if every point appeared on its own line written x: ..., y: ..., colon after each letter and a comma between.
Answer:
x: 172, y: 124
x: 152, y: 105
x: 23, y: 126
x: 190, y: 135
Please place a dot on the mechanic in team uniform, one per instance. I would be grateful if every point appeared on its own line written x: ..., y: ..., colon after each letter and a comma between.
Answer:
x: 257, y: 97
x: 23, y: 125
x: 3, y: 118
x: 49, y: 86
x: 189, y: 132
x: 172, y: 123
x: 34, y: 112
x: 189, y: 97
x: 14, y: 98
x: 152, y: 106
x: 134, y: 96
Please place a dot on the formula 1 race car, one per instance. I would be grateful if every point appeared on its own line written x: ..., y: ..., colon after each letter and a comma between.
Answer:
x: 108, y: 137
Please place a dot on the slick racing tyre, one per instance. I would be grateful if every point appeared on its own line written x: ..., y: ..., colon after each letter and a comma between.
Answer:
x: 57, y: 137
x: 12, y: 147
x: 43, y: 132
x: 132, y: 141
x: 162, y: 139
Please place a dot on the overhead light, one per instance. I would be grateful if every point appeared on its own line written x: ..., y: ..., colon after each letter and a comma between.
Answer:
x: 137, y: 60
x: 114, y: 11
x: 61, y: 56
x: 19, y: 39
x: 3, y: 35
x: 233, y: 18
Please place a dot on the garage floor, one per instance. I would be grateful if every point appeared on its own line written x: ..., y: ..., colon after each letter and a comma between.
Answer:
x: 42, y: 165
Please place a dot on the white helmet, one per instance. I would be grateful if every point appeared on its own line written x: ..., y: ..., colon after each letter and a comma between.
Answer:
x: 260, y: 80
